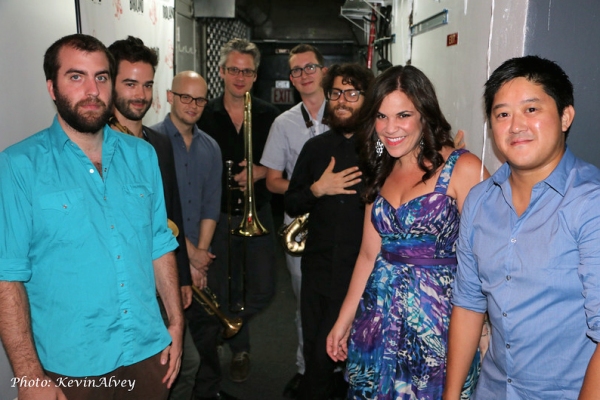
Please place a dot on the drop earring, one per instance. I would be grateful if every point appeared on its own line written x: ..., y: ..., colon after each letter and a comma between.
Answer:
x: 379, y: 148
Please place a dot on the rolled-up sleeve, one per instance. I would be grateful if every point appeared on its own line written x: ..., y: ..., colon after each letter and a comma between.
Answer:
x: 466, y: 290
x: 163, y: 240
x: 15, y: 224
x: 588, y: 239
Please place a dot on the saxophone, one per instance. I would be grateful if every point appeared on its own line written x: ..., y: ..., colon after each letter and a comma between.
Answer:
x: 293, y: 235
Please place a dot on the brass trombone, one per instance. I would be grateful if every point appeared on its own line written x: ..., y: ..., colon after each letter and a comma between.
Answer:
x: 250, y: 226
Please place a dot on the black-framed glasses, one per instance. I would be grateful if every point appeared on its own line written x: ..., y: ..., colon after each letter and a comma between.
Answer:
x: 308, y: 69
x: 351, y: 95
x: 236, y: 71
x: 187, y: 99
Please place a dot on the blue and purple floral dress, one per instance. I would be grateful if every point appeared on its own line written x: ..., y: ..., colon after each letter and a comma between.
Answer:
x: 398, y: 342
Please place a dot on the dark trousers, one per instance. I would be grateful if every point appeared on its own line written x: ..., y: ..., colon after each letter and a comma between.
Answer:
x: 146, y: 377
x: 206, y: 333
x: 259, y: 290
x: 319, y: 314
x: 259, y: 276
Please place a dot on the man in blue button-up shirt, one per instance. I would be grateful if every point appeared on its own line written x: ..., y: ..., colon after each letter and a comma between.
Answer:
x: 529, y: 249
x: 84, y: 245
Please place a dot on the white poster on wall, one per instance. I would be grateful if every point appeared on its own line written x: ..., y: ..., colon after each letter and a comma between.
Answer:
x: 150, y: 20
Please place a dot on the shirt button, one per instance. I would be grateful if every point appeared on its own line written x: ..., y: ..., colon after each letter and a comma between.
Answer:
x: 508, y: 346
x: 104, y: 198
x: 112, y: 227
x: 504, y: 314
x: 509, y: 380
x: 122, y: 284
x: 508, y: 277
x: 91, y: 171
x: 125, y: 312
x: 342, y: 201
x: 118, y: 257
x: 513, y: 240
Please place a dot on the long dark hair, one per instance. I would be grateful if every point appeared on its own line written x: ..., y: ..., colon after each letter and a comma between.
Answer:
x: 436, y: 130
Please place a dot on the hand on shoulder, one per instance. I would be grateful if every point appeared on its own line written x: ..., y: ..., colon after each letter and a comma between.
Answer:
x: 467, y: 173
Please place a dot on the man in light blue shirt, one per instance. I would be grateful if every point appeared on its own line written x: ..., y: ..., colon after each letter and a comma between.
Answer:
x: 84, y: 246
x: 529, y: 249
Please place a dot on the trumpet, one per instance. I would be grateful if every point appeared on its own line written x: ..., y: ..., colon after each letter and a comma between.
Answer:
x: 293, y: 235
x: 207, y: 299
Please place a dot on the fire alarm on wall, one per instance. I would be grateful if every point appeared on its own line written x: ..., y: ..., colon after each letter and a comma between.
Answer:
x: 452, y: 39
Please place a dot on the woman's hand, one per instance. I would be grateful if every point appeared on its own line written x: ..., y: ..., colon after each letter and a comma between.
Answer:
x: 337, y: 341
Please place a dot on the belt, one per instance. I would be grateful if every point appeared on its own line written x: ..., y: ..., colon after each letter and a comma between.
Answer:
x: 418, y: 261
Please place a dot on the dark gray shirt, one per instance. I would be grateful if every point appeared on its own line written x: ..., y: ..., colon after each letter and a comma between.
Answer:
x: 198, y: 176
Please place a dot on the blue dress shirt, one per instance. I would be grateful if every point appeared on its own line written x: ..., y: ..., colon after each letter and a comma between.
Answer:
x: 199, y: 172
x: 84, y: 244
x: 538, y: 276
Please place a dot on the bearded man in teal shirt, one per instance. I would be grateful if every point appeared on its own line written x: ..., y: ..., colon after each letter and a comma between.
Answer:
x: 84, y: 246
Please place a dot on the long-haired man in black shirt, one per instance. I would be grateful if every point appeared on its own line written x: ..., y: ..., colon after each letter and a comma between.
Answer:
x: 326, y: 183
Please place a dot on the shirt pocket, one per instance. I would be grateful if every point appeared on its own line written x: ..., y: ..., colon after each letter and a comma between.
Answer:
x: 138, y: 199
x: 63, y: 214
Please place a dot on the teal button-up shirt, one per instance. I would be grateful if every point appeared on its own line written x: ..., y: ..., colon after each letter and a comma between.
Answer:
x: 84, y: 244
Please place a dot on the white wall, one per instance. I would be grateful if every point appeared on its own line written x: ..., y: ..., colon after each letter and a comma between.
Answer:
x: 489, y: 32
x: 26, y: 31
x: 150, y: 20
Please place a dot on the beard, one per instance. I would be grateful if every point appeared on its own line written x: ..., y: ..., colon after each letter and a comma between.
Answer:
x: 124, y: 107
x: 343, y: 125
x: 85, y: 122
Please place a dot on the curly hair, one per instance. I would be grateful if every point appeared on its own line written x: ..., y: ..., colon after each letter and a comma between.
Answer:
x: 435, y: 135
x: 133, y: 50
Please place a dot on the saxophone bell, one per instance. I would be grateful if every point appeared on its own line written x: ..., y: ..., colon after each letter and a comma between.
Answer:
x: 293, y: 235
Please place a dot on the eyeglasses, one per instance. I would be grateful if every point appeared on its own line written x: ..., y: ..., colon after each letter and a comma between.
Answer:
x: 236, y: 71
x: 187, y: 99
x: 308, y: 69
x: 351, y: 95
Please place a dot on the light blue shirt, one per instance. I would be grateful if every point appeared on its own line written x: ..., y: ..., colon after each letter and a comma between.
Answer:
x: 287, y: 137
x: 538, y: 276
x: 199, y: 172
x: 84, y: 244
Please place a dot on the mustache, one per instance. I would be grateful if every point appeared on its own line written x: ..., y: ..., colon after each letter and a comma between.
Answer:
x: 343, y: 107
x: 143, y: 102
x: 93, y: 101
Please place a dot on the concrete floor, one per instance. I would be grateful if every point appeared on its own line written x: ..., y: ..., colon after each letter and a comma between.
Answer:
x: 273, y: 342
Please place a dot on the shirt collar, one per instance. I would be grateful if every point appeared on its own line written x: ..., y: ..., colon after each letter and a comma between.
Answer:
x: 60, y: 139
x: 557, y: 180
x: 172, y: 129
x: 319, y: 118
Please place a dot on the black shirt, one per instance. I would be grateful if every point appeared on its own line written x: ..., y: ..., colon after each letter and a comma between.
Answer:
x: 216, y: 122
x: 164, y: 151
x: 335, y: 223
